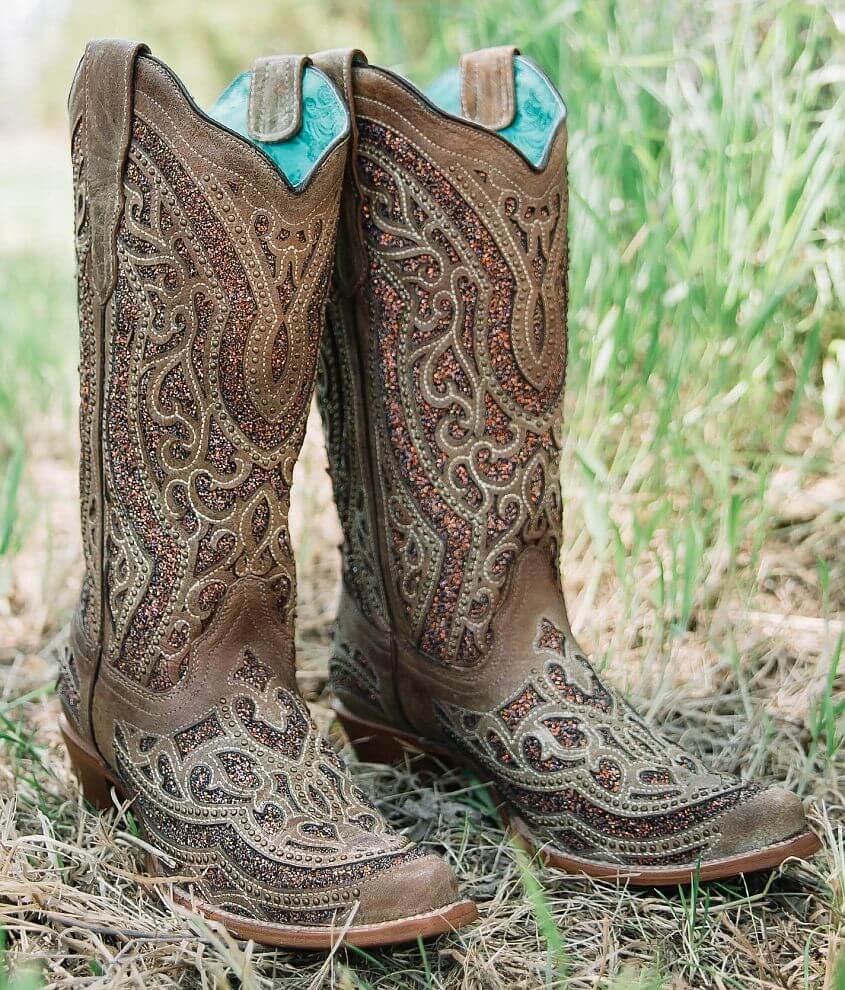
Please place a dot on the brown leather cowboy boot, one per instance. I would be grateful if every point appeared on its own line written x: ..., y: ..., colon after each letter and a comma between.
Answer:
x: 444, y: 368
x: 202, y: 284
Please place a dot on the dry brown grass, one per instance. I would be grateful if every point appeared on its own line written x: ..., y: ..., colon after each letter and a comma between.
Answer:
x: 76, y: 904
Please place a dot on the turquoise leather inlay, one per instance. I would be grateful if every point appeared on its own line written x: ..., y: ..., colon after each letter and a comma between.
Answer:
x: 539, y: 108
x: 324, y: 120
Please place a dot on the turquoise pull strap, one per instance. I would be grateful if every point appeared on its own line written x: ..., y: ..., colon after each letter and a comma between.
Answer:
x: 538, y: 109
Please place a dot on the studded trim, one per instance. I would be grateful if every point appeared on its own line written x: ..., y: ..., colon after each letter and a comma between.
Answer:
x: 350, y: 670
x: 89, y: 498
x: 68, y: 687
x: 339, y: 400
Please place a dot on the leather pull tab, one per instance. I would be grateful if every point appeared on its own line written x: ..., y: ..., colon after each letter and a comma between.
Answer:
x: 338, y: 63
x: 275, y: 97
x: 108, y: 81
x: 351, y: 262
x: 488, y: 86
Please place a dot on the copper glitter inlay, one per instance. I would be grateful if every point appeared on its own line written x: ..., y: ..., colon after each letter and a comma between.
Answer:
x: 253, y: 672
x: 273, y: 847
x: 621, y: 826
x: 575, y: 776
x: 351, y: 671
x: 241, y: 769
x: 462, y: 419
x: 515, y: 711
x: 289, y: 738
x: 609, y: 776
x: 195, y: 735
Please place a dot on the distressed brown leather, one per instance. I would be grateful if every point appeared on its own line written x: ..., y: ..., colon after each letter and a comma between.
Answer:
x: 202, y: 284
x: 349, y: 271
x: 106, y: 143
x: 442, y: 398
x: 488, y: 87
x: 275, y: 97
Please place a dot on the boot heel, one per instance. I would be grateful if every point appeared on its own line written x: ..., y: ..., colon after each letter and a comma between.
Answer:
x: 94, y: 780
x: 371, y: 744
x: 376, y: 743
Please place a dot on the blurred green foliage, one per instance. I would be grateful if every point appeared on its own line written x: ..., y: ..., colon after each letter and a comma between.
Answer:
x: 207, y: 44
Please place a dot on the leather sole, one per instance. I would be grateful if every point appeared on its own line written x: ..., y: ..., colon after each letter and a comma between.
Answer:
x: 375, y: 742
x: 97, y: 781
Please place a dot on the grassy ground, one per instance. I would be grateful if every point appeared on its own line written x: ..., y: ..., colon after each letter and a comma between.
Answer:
x: 704, y: 475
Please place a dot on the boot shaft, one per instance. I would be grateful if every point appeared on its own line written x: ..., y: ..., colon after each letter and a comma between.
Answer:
x: 446, y: 351
x: 202, y: 282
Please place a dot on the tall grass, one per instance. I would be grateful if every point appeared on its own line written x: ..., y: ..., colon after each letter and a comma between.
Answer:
x: 37, y: 347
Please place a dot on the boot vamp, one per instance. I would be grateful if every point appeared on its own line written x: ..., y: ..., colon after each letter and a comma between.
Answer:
x: 581, y: 768
x: 255, y: 804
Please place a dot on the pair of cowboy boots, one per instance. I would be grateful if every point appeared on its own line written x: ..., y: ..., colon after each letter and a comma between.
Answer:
x: 429, y: 235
